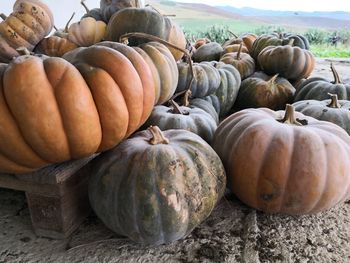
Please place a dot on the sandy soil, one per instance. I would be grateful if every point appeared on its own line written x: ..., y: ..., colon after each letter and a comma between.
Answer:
x: 233, y: 233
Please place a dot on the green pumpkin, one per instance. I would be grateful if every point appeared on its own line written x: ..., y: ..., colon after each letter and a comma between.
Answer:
x: 206, y: 79
x: 156, y: 187
x: 318, y: 88
x: 261, y: 90
x: 213, y: 100
x: 333, y: 110
x: 109, y: 7
x: 94, y: 13
x: 180, y: 117
x: 208, y: 52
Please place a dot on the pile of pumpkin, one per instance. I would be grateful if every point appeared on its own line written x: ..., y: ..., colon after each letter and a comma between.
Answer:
x: 121, y: 81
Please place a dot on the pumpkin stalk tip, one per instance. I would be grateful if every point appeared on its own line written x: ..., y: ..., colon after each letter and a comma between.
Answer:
x: 289, y: 117
x: 239, y: 52
x: 187, y: 96
x: 23, y: 51
x: 334, y: 101
x: 337, y: 78
x: 82, y: 2
x: 157, y: 136
x: 176, y: 108
x: 3, y: 16
x: 273, y: 79
x: 67, y: 25
x: 291, y: 42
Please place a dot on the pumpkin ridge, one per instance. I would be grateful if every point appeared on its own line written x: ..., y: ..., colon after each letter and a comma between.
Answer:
x: 27, y: 27
x: 9, y: 40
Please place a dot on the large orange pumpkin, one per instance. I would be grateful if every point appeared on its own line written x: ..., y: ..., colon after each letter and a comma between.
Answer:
x: 284, y: 162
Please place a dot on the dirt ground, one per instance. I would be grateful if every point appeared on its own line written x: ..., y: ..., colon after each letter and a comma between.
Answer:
x: 233, y: 232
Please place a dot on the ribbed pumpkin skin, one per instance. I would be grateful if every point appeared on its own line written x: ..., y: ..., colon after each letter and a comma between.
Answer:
x: 208, y: 52
x: 264, y: 91
x: 245, y: 64
x: 213, y: 100
x: 54, y: 46
x: 206, y: 79
x: 283, y: 168
x: 94, y: 13
x: 194, y: 119
x: 264, y: 41
x: 30, y: 21
x: 87, y: 32
x: 170, y: 191
x: 145, y: 20
x: 234, y: 48
x: 206, y: 106
x: 321, y: 111
x: 163, y: 67
x: 109, y: 7
x: 292, y: 63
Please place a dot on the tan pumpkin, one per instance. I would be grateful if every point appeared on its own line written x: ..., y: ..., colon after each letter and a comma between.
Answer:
x: 30, y: 21
x: 284, y: 162
x: 54, y: 46
x: 235, y: 48
x: 87, y: 32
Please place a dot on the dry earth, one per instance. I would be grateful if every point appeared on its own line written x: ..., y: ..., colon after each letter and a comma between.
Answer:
x: 233, y: 233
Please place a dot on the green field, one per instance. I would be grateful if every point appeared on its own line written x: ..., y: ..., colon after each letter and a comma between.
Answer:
x: 327, y: 51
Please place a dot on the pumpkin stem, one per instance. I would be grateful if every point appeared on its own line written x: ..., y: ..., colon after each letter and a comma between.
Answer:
x: 239, y: 51
x: 3, y: 16
x: 124, y: 39
x: 176, y: 108
x: 334, y: 101
x: 186, y: 100
x: 233, y: 34
x: 82, y: 2
x: 273, y: 78
x: 291, y: 42
x: 55, y: 27
x: 23, y: 51
x: 337, y: 79
x: 289, y: 117
x: 157, y: 136
x: 67, y: 25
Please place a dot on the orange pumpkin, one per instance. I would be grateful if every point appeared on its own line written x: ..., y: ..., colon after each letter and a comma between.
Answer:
x: 54, y: 46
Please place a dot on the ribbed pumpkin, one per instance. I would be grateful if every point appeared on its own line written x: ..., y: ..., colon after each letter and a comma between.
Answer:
x: 138, y: 20
x: 205, y: 82
x: 94, y: 13
x: 180, y: 117
x: 246, y: 39
x: 318, y: 88
x: 284, y: 162
x: 54, y: 46
x: 51, y: 112
x: 110, y: 7
x: 235, y: 48
x: 175, y: 185
x: 87, y: 32
x: 333, y: 110
x: 261, y: 90
x: 208, y: 52
x: 227, y: 92
x: 292, y: 63
x: 213, y: 100
x: 243, y: 62
x: 30, y: 22
x: 200, y: 42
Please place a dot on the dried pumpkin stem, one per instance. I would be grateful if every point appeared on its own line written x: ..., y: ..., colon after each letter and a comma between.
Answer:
x: 67, y: 25
x: 82, y: 2
x: 337, y: 79
x: 233, y: 34
x: 291, y: 42
x: 289, y: 117
x: 125, y: 37
x: 3, y: 16
x: 176, y: 107
x: 55, y: 27
x: 334, y: 101
x: 273, y: 79
x: 23, y: 51
x: 186, y: 99
x: 239, y: 51
x: 157, y: 136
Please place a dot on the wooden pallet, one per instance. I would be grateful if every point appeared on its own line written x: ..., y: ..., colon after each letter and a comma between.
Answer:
x: 57, y: 196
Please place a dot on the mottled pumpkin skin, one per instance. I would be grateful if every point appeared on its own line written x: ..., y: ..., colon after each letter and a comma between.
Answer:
x: 292, y: 63
x: 208, y: 52
x: 244, y: 63
x: 109, y: 7
x: 170, y: 191
x: 30, y: 22
x: 206, y: 106
x: 321, y: 110
x: 195, y: 120
x: 264, y: 91
x: 131, y: 20
x: 54, y: 46
x: 283, y: 168
x: 205, y: 82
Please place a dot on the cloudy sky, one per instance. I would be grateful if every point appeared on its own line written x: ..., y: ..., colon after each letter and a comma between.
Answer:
x: 64, y: 8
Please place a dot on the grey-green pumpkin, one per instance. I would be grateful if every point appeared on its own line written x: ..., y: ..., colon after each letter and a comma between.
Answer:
x: 156, y: 187
x: 208, y: 52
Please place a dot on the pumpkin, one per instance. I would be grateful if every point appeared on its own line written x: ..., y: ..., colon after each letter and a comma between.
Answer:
x: 234, y: 40
x: 206, y: 79
x: 208, y: 52
x: 284, y: 162
x: 261, y: 90
x: 299, y: 40
x: 138, y: 20
x: 62, y: 112
x: 213, y: 100
x: 248, y: 40
x: 227, y: 92
x: 54, y: 46
x: 30, y: 22
x: 200, y: 42
x: 94, y: 13
x: 110, y: 7
x: 175, y: 185
x: 87, y: 32
x: 243, y: 62
x: 235, y: 48
x: 318, y: 88
x: 292, y: 63
x: 195, y: 120
x: 333, y: 110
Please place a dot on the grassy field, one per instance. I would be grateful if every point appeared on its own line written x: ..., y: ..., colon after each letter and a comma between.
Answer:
x: 327, y: 51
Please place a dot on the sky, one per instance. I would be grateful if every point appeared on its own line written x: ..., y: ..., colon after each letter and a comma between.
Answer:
x: 63, y: 9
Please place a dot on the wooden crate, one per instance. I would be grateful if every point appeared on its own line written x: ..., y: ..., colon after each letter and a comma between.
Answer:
x: 57, y: 196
